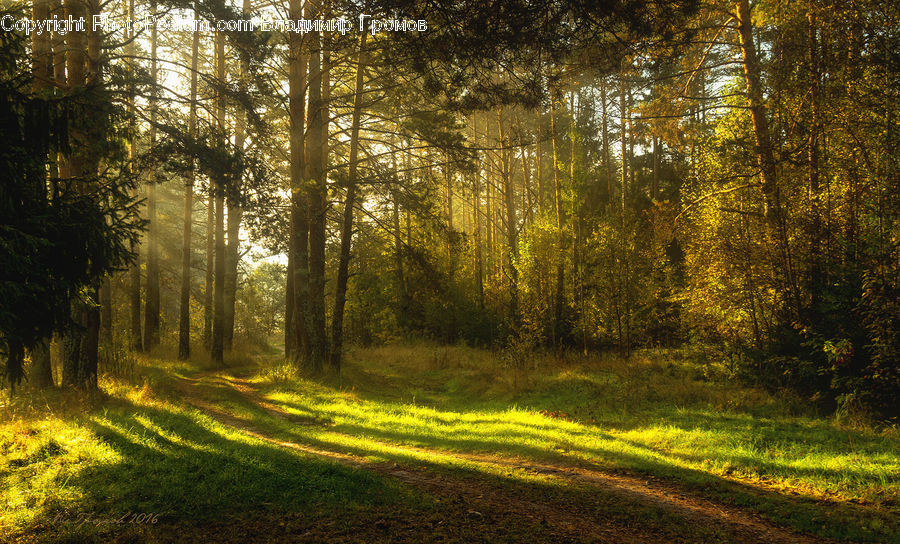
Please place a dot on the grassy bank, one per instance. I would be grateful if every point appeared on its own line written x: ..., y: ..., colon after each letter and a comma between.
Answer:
x: 141, y: 450
x: 655, y: 413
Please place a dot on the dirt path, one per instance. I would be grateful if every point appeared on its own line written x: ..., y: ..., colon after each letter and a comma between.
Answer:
x: 575, y: 522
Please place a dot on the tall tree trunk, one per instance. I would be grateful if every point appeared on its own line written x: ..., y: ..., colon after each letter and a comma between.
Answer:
x: 816, y: 268
x: 209, y: 276
x: 512, y: 249
x: 184, y: 316
x: 90, y: 354
x: 654, y: 187
x: 343, y: 274
x: 623, y: 124
x: 232, y: 260
x: 289, y: 344
x: 75, y: 61
x: 448, y: 190
x: 235, y: 214
x: 82, y: 53
x: 296, y: 347
x: 607, y: 160
x: 526, y: 179
x: 398, y: 254
x: 41, y: 49
x: 106, y: 318
x: 151, y: 308
x: 59, y: 48
x: 559, y: 299
x: 134, y: 285
x: 40, y: 374
x: 396, y: 210
x: 476, y: 219
x: 631, y: 139
x: 765, y: 157
x: 316, y: 194
x: 489, y: 216
x: 625, y: 285
x: 538, y: 171
x: 218, y: 330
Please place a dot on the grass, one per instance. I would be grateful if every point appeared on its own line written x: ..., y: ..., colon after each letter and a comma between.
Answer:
x: 652, y: 415
x: 142, y: 451
x: 142, y: 455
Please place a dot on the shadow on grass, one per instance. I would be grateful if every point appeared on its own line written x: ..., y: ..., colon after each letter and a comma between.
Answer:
x: 796, y: 510
x: 191, y: 472
x: 188, y: 468
x: 183, y: 467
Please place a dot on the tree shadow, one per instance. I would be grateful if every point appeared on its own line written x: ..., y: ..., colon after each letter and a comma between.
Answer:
x: 793, y: 508
x: 181, y: 467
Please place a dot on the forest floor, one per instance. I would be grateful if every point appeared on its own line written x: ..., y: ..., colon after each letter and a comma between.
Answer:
x: 424, y: 443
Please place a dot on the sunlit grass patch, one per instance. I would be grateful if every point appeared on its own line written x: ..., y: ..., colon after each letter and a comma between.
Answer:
x: 143, y: 453
x: 646, y: 415
x: 147, y: 449
x: 38, y: 462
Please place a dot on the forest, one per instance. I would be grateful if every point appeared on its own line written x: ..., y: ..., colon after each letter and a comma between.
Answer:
x: 450, y: 271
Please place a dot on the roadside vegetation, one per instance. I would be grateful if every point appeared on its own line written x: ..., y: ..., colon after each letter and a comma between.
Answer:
x: 169, y: 447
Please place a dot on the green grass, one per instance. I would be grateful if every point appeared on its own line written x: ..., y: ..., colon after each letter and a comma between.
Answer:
x: 651, y: 415
x: 142, y: 450
x: 148, y: 456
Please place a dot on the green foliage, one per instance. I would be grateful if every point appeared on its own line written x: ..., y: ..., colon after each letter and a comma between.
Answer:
x: 822, y: 324
x: 57, y: 236
x: 259, y: 308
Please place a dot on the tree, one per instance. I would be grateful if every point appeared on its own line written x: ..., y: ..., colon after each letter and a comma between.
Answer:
x: 349, y: 204
x: 58, y: 236
x: 184, y: 318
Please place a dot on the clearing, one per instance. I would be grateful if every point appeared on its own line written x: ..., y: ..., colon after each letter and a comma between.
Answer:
x: 441, y: 444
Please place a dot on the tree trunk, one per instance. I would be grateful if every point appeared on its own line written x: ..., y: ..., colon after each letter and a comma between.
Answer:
x: 90, y: 347
x: 512, y: 250
x: 106, y: 318
x: 448, y: 178
x: 526, y: 179
x: 476, y: 219
x: 217, y: 349
x: 765, y: 157
x: 134, y: 287
x: 232, y: 260
x: 343, y: 274
x: 59, y: 48
x: 296, y: 292
x: 607, y: 160
x: 235, y: 214
x: 40, y: 374
x: 209, y: 277
x: 538, y: 172
x: 623, y: 124
x: 631, y: 138
x: 184, y: 317
x: 151, y: 308
x: 316, y: 195
x: 41, y: 49
x: 398, y: 254
x: 816, y: 268
x: 559, y: 297
x: 81, y: 341
x: 654, y: 187
x: 289, y: 344
x: 489, y: 216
